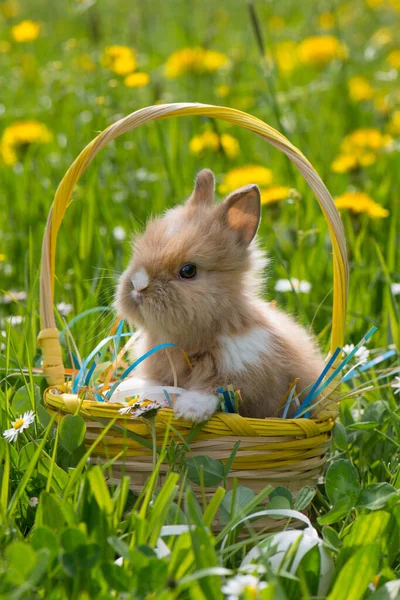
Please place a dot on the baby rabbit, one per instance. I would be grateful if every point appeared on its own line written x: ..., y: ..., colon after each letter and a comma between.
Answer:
x: 194, y: 280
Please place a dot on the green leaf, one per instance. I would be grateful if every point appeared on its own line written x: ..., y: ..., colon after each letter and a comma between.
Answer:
x: 116, y: 577
x: 334, y: 515
x: 72, y: 432
x: 25, y: 456
x: 375, y: 528
x: 20, y: 561
x: 25, y: 399
x: 340, y: 436
x: 309, y: 570
x: 303, y: 498
x: 331, y: 537
x: 363, y: 426
x: 376, y: 495
x: 283, y: 492
x: 278, y: 503
x: 213, y: 470
x: 44, y: 537
x: 353, y: 579
x: 72, y: 538
x: 242, y: 496
x: 342, y: 482
x: 49, y: 512
x: 120, y: 547
x: 100, y: 490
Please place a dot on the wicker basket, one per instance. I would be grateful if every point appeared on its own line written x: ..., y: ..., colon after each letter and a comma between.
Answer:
x: 289, y: 452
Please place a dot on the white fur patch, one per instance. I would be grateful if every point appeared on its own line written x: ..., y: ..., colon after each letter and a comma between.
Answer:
x: 241, y: 350
x: 173, y: 221
x: 140, y: 280
x: 195, y: 406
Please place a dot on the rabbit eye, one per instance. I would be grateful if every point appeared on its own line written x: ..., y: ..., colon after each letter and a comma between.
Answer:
x: 188, y: 271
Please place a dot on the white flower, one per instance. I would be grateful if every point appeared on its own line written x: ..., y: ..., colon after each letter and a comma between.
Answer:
x: 395, y: 287
x: 137, y: 406
x: 33, y: 502
x: 13, y: 296
x: 14, y: 320
x: 23, y: 422
x: 64, y: 309
x: 235, y: 587
x: 288, y: 285
x: 361, y: 355
x: 119, y: 233
x: 396, y: 385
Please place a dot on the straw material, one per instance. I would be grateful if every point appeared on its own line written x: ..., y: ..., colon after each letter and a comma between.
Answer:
x: 290, y: 452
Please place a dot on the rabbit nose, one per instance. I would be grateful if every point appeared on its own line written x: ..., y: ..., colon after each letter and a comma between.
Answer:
x: 140, y: 280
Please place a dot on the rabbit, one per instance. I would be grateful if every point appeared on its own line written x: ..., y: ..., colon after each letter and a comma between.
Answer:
x: 195, y: 279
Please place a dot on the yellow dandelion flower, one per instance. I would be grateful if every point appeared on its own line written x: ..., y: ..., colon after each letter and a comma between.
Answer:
x: 275, y: 194
x: 19, y: 135
x: 326, y: 20
x: 361, y: 203
x: 344, y: 163
x: 394, y: 123
x: 382, y: 37
x: 365, y: 138
x: 230, y: 145
x: 360, y: 89
x: 9, y: 9
x: 137, y: 80
x: 5, y: 47
x: 393, y: 59
x: 85, y: 62
x: 119, y: 59
x: 209, y: 140
x: 276, y: 23
x: 194, y: 60
x: 367, y: 158
x: 244, y: 175
x: 286, y: 56
x: 382, y: 104
x: 374, y: 3
x: 3, y: 257
x: 25, y: 31
x: 222, y: 91
x: 321, y: 50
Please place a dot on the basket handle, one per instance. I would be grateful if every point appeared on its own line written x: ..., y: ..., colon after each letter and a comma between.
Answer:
x: 48, y: 338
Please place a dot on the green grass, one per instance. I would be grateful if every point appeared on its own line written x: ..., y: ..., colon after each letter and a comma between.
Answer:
x: 66, y: 546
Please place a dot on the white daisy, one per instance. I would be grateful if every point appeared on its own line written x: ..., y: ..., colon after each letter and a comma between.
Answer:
x: 139, y: 405
x: 23, y: 422
x: 361, y: 355
x: 234, y: 588
x: 396, y: 385
x: 64, y: 309
x: 33, y: 502
x: 119, y: 233
x: 288, y: 285
x: 13, y: 296
x: 395, y: 287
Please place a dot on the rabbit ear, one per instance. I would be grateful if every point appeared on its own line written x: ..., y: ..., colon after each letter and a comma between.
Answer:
x: 242, y: 211
x: 203, y: 192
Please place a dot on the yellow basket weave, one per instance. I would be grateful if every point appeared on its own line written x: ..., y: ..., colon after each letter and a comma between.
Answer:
x: 289, y: 452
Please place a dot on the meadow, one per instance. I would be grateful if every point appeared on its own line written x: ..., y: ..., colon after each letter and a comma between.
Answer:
x: 324, y: 74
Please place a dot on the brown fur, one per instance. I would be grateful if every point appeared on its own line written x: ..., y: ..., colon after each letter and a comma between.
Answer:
x: 223, y: 300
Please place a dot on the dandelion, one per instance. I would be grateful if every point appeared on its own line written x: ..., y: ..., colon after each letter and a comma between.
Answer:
x: 3, y: 257
x: 382, y: 37
x: 241, y: 586
x: 366, y: 138
x: 18, y: 426
x: 119, y: 59
x: 344, y: 163
x: 119, y: 233
x: 286, y: 56
x: 396, y: 385
x: 319, y: 51
x: 393, y: 59
x: 9, y: 9
x: 361, y: 355
x: 395, y: 289
x: 326, y: 20
x: 210, y: 140
x: 19, y: 135
x: 137, y: 80
x: 360, y: 202
x: 64, y: 309
x: 275, y: 194
x: 243, y: 175
x: 25, y: 31
x: 194, y: 60
x: 222, y: 91
x: 288, y: 285
x: 360, y: 89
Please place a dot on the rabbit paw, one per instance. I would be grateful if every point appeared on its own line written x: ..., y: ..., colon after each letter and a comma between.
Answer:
x: 195, y: 406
